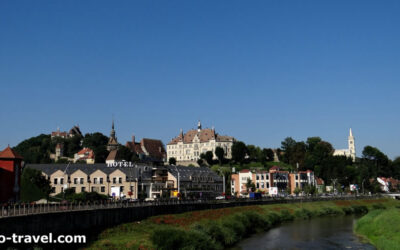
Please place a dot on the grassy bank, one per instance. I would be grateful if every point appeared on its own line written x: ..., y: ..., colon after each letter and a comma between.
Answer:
x: 381, y: 227
x: 221, y: 228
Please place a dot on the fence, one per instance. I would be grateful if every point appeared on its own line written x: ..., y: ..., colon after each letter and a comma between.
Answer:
x: 31, y: 209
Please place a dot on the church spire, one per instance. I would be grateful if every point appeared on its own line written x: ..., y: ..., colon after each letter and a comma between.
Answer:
x: 351, y: 133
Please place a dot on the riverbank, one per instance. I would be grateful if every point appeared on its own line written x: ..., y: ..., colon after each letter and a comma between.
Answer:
x: 221, y: 228
x: 381, y: 227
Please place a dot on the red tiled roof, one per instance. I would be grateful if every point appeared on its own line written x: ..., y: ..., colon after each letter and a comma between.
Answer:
x: 274, y: 168
x: 84, y: 151
x: 319, y: 181
x: 244, y: 171
x: 154, y: 148
x: 9, y: 153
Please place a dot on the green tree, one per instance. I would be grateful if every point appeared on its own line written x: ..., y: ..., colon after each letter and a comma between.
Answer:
x: 35, y: 149
x: 267, y: 154
x: 124, y: 153
x: 172, y: 161
x: 200, y: 162
x: 239, y: 151
x: 100, y: 154
x: 297, y: 191
x: 209, y: 157
x: 94, y: 140
x: 250, y: 186
x: 219, y: 152
x: 34, y: 185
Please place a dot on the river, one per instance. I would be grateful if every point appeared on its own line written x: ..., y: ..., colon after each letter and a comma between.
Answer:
x: 317, y: 233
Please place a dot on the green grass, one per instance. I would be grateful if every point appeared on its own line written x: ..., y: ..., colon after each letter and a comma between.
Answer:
x: 381, y: 227
x: 222, y: 228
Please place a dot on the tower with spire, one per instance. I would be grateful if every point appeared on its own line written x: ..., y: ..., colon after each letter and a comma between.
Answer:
x: 352, y: 146
x: 112, y: 142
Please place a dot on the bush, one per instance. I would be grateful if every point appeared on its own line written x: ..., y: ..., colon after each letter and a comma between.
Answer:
x: 359, y: 209
x: 348, y: 210
x: 303, y: 213
x: 274, y: 218
x: 257, y: 221
x: 378, y: 206
x: 286, y: 215
x: 236, y: 226
x: 173, y: 238
x: 330, y: 211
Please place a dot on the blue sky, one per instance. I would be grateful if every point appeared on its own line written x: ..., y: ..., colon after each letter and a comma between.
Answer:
x: 256, y: 70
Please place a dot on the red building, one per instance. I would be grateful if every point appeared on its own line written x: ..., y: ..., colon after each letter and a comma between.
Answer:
x: 10, y: 175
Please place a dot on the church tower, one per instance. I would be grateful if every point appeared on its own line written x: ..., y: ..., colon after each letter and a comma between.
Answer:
x: 112, y: 142
x: 352, y: 146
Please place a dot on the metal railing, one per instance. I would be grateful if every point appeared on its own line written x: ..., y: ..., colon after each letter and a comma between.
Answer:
x: 32, y: 209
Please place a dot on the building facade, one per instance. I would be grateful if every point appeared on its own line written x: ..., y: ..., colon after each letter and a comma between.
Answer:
x: 125, y: 179
x: 350, y: 151
x: 283, y: 181
x: 187, y: 147
x: 10, y: 175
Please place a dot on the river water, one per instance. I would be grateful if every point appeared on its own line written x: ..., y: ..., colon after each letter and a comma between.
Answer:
x: 318, y: 233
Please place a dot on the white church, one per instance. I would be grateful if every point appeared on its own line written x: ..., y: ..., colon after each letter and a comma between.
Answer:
x: 351, y: 151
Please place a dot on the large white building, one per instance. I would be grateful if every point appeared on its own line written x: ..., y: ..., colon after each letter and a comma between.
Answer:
x: 186, y: 148
x: 350, y: 151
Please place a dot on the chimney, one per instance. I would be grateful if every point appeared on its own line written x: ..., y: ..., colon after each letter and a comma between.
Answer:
x: 133, y: 138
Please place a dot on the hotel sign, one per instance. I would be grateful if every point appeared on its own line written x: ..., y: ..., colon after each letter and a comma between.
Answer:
x: 120, y: 164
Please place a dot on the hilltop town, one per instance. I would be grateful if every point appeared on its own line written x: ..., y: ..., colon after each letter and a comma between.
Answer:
x: 199, y: 163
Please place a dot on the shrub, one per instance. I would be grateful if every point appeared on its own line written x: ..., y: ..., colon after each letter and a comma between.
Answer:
x: 330, y: 211
x: 173, y: 238
x: 378, y: 206
x: 274, y: 218
x: 286, y: 215
x: 257, y: 221
x: 360, y: 209
x: 303, y: 213
x: 169, y: 238
x: 348, y: 210
x: 236, y: 226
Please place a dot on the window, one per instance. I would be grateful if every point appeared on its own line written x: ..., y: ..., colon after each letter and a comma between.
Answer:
x: 262, y: 184
x: 83, y: 189
x: 262, y: 177
x: 258, y: 185
x: 75, y: 180
x: 55, y: 181
x: 120, y: 180
x: 94, y: 180
x: 297, y: 177
x: 121, y: 189
x: 257, y: 177
x: 267, y: 184
x: 61, y: 180
x: 73, y: 189
x: 101, y: 180
x: 114, y: 180
x: 53, y: 190
x: 81, y: 181
x: 103, y: 189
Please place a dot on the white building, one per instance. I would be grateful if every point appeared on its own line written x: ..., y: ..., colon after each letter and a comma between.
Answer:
x: 351, y: 151
x: 186, y: 148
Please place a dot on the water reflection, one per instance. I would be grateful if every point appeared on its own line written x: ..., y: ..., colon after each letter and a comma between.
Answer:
x: 318, y: 233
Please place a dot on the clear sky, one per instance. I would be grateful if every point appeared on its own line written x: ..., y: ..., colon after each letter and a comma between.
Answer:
x: 256, y: 70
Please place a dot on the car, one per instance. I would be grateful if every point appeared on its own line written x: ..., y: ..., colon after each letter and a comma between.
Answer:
x: 221, y: 197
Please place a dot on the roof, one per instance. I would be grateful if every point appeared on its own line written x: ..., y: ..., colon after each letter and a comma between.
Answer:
x: 320, y: 181
x: 85, y: 151
x: 134, y: 172
x: 113, y: 155
x: 134, y: 147
x: 244, y: 171
x: 154, y: 148
x: 59, y: 133
x: 185, y: 173
x: 75, y: 130
x: 9, y: 153
x: 276, y: 168
x: 204, y: 135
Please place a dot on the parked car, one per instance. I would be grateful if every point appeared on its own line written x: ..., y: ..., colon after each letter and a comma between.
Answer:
x: 221, y: 197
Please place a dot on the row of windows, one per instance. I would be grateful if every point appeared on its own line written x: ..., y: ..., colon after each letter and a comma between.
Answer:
x: 101, y: 189
x: 261, y: 185
x: 196, y: 145
x: 96, y: 180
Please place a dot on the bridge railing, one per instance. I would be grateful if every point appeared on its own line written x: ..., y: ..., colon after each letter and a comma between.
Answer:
x: 24, y: 209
